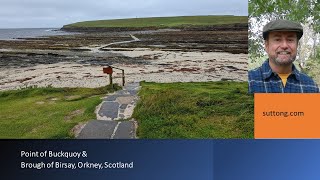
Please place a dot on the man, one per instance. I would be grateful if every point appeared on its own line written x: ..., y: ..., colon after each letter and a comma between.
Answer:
x: 278, y: 73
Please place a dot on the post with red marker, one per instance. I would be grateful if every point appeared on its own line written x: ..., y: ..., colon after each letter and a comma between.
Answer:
x: 108, y: 70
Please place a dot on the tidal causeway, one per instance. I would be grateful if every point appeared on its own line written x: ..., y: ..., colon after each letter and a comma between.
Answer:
x: 188, y: 54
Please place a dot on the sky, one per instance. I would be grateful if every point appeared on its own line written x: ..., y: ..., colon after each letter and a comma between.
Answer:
x: 56, y: 13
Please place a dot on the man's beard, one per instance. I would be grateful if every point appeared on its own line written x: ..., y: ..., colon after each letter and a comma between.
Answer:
x: 281, y: 62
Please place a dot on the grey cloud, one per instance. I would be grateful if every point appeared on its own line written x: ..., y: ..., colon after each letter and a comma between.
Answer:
x: 56, y: 13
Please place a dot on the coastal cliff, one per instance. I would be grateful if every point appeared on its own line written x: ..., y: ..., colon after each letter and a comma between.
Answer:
x: 221, y: 27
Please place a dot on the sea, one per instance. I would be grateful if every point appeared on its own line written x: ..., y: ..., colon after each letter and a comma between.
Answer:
x: 20, y: 33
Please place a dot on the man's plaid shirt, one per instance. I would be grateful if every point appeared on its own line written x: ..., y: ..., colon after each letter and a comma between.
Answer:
x: 263, y: 80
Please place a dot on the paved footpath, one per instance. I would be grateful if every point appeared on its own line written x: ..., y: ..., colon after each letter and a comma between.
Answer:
x: 114, y: 116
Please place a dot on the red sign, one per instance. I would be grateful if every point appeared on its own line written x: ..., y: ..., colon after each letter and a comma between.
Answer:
x: 107, y: 70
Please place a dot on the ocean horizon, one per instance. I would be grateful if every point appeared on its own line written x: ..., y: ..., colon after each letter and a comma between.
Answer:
x: 21, y: 33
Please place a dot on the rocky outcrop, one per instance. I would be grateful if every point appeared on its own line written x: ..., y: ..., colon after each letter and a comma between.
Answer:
x: 105, y: 29
x: 221, y: 27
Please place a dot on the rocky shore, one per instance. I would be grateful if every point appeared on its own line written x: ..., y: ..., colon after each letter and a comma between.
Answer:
x: 225, y: 27
x: 160, y: 55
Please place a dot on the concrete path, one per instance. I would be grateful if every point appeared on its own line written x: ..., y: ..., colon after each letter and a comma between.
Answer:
x: 114, y: 116
x: 100, y: 47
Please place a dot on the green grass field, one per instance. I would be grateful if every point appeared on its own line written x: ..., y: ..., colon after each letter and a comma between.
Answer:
x: 195, y: 110
x: 163, y: 21
x: 165, y: 110
x: 45, y: 113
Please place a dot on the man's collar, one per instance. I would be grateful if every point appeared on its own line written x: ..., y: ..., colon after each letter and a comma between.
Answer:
x: 267, y: 71
x: 295, y: 72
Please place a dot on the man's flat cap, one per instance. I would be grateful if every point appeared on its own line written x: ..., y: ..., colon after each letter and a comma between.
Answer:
x: 282, y: 25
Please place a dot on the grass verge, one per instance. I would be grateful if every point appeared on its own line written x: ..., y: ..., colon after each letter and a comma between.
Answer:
x: 195, y: 110
x: 45, y: 113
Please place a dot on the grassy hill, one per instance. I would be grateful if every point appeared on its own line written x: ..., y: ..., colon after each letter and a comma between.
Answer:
x: 162, y: 21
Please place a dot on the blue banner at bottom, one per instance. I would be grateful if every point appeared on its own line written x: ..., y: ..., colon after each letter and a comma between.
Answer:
x: 160, y: 159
